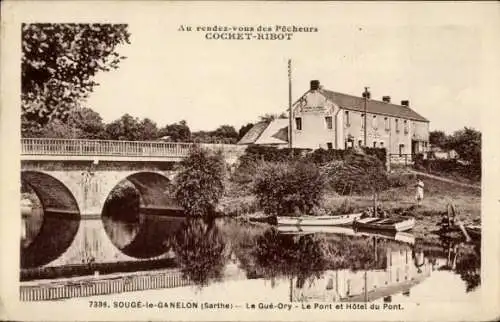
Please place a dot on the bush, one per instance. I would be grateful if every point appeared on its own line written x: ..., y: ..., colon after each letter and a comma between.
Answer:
x: 199, y: 184
x: 322, y: 156
x: 451, y: 167
x: 379, y: 153
x: 286, y: 188
x: 357, y: 174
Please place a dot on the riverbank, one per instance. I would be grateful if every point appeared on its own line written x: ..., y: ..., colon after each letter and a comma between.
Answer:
x: 438, y: 194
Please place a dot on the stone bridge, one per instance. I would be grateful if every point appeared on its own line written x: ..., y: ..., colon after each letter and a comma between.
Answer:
x: 74, y: 178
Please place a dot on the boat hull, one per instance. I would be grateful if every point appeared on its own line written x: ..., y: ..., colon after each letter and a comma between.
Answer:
x: 385, y: 224
x: 318, y: 221
x: 474, y: 231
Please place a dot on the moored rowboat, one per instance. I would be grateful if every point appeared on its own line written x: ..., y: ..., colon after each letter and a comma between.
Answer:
x: 474, y: 231
x: 318, y: 220
x: 387, y: 224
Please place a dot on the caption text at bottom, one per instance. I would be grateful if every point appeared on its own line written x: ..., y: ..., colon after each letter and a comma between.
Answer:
x: 249, y: 306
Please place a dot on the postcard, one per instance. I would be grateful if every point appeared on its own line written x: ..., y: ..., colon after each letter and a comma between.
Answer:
x: 279, y: 161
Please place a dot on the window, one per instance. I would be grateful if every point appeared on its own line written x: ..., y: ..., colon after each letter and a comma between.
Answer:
x: 347, y: 121
x: 374, y: 144
x: 387, y: 124
x: 329, y: 145
x: 381, y: 144
x: 397, y: 124
x: 298, y: 123
x: 360, y: 143
x: 405, y: 123
x: 362, y: 121
x: 329, y: 122
x: 374, y: 122
x: 401, y: 149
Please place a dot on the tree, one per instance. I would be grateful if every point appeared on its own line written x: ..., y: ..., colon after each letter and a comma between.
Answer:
x: 58, y: 129
x: 244, y: 129
x: 58, y: 64
x: 226, y: 132
x: 177, y: 132
x: 88, y: 121
x: 148, y: 130
x: 125, y: 128
x: 438, y: 138
x: 199, y: 183
x: 467, y: 143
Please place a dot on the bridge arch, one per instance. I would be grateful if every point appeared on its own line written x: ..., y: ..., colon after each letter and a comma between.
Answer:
x: 60, y: 220
x: 140, y: 215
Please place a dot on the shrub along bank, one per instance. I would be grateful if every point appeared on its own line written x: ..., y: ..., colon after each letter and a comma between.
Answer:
x: 284, y: 188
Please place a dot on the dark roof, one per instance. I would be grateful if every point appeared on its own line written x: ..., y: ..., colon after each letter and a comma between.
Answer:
x: 282, y: 134
x: 355, y: 103
x: 254, y: 133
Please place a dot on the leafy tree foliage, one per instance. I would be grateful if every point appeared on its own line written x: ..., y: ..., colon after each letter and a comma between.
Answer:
x: 81, y: 123
x: 226, y: 131
x: 438, y: 138
x: 88, y: 121
x: 59, y: 62
x: 199, y: 184
x: 467, y: 143
x: 288, y: 188
x: 177, y: 132
x: 148, y: 130
x: 124, y: 128
x: 223, y: 134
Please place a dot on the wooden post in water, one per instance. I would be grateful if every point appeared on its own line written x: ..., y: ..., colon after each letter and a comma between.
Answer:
x: 366, y: 286
x: 457, y: 222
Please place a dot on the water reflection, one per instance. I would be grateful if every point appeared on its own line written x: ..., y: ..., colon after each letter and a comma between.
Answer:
x: 200, y: 251
x: 459, y: 257
x: 316, y: 266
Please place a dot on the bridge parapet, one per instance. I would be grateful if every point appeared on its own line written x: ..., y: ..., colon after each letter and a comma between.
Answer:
x: 114, y: 149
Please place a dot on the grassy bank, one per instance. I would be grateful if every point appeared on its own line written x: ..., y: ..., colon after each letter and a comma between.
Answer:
x: 438, y: 195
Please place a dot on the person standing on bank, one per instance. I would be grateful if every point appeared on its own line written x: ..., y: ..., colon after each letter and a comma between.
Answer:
x: 420, y: 191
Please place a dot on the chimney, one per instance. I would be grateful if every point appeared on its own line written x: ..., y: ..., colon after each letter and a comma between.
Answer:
x: 314, y: 85
x: 405, y: 103
x: 386, y: 99
x: 367, y: 95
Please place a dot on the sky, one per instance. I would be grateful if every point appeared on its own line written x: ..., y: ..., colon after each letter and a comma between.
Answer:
x: 427, y: 53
